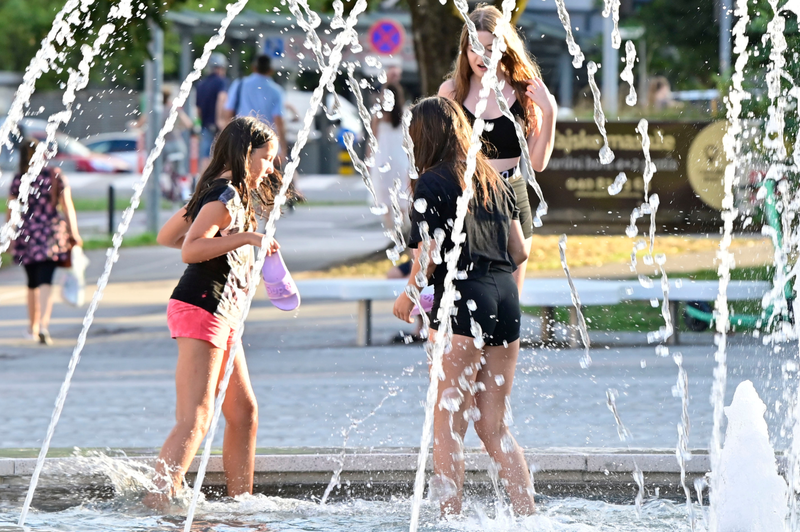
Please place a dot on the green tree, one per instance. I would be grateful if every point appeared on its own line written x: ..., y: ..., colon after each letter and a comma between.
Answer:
x: 682, y: 41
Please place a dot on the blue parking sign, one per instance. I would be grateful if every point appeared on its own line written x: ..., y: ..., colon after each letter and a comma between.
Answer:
x: 273, y: 47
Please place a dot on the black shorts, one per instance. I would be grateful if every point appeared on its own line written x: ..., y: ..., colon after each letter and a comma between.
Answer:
x: 520, y: 186
x: 496, y: 298
x: 40, y: 273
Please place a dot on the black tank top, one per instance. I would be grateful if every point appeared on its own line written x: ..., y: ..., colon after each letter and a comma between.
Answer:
x: 499, y: 137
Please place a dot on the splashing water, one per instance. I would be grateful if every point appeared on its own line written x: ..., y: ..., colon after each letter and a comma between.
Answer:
x: 77, y: 80
x: 444, y: 334
x: 611, y: 8
x: 347, y: 36
x: 627, y: 72
x: 572, y: 46
x: 354, y: 424
x: 606, y: 155
x: 583, y: 330
x: 682, y: 453
x: 625, y: 436
x: 408, y: 145
x: 45, y: 59
x: 45, y: 150
x: 619, y: 182
x: 751, y: 495
x: 732, y: 144
x: 395, y: 233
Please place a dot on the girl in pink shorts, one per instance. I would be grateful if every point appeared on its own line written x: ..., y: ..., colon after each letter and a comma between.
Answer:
x: 215, y: 233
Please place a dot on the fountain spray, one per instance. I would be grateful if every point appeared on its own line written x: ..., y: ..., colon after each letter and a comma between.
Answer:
x: 444, y: 335
x: 345, y: 37
x: 113, y: 252
x: 732, y: 144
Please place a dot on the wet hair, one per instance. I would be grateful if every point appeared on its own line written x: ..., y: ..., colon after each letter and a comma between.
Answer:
x: 517, y: 64
x: 231, y: 153
x: 396, y: 114
x: 262, y: 64
x: 441, y: 135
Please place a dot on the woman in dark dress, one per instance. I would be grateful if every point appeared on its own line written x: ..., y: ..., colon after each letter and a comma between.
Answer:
x: 45, y: 238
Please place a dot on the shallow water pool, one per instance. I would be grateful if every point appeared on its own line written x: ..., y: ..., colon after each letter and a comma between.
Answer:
x: 261, y: 513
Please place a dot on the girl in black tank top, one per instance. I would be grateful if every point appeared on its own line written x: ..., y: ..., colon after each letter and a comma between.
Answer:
x: 531, y: 104
x: 486, y: 323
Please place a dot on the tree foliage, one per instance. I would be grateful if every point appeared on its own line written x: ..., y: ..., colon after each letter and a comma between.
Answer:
x: 682, y: 39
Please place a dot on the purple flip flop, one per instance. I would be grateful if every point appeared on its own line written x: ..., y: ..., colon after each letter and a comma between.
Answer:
x: 427, y: 304
x: 281, y: 289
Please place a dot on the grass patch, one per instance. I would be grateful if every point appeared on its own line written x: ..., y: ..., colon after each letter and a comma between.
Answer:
x: 101, y: 204
x: 142, y: 239
x: 641, y: 316
x: 581, y: 251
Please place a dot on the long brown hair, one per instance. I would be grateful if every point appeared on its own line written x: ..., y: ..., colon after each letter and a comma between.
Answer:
x: 231, y: 152
x: 27, y: 149
x: 441, y: 135
x: 517, y: 64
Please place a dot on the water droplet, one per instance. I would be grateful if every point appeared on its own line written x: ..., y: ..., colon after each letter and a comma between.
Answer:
x: 499, y: 379
x: 643, y: 363
x: 662, y: 350
x: 471, y: 305
x: 420, y: 205
x: 379, y: 210
x: 619, y: 182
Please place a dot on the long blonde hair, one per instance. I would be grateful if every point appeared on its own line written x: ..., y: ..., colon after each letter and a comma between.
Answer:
x: 517, y: 64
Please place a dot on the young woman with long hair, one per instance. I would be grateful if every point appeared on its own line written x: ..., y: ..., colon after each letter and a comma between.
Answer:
x: 216, y: 234
x: 478, y: 372
x: 528, y: 99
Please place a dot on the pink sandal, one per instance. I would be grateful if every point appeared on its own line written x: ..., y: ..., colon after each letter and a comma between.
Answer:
x: 281, y: 289
x: 427, y: 304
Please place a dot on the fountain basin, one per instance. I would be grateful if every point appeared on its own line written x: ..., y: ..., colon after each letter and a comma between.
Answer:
x: 599, y: 474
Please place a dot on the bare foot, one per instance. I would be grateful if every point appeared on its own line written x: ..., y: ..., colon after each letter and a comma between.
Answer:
x: 158, y: 501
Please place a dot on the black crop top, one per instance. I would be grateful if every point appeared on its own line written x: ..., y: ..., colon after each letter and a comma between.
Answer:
x: 500, y: 138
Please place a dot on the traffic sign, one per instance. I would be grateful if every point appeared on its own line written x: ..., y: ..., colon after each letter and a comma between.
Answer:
x: 387, y: 36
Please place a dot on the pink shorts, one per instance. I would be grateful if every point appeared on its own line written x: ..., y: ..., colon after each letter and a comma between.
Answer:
x: 188, y: 321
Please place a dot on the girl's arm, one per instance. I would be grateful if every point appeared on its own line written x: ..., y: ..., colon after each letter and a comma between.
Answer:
x: 200, y: 244
x: 174, y: 231
x: 540, y: 141
x: 403, y: 305
x: 516, y: 243
x: 72, y: 219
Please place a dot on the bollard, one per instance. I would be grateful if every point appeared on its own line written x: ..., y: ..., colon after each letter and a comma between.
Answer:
x: 111, y: 203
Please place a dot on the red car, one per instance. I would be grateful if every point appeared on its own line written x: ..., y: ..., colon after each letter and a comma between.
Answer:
x: 73, y: 156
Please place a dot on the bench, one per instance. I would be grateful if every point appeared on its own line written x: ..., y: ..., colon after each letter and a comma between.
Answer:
x: 545, y: 293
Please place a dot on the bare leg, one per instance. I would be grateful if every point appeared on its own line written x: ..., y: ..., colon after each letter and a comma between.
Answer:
x: 196, y: 378
x: 241, y: 416
x: 492, y: 429
x: 33, y: 311
x: 46, y: 306
x: 519, y: 273
x: 449, y: 424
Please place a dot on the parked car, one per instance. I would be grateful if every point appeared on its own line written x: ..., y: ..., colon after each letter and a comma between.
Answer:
x: 72, y: 156
x: 122, y: 144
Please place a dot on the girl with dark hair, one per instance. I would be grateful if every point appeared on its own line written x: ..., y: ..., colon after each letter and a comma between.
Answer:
x: 528, y: 99
x: 216, y: 234
x: 45, y: 238
x: 479, y: 366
